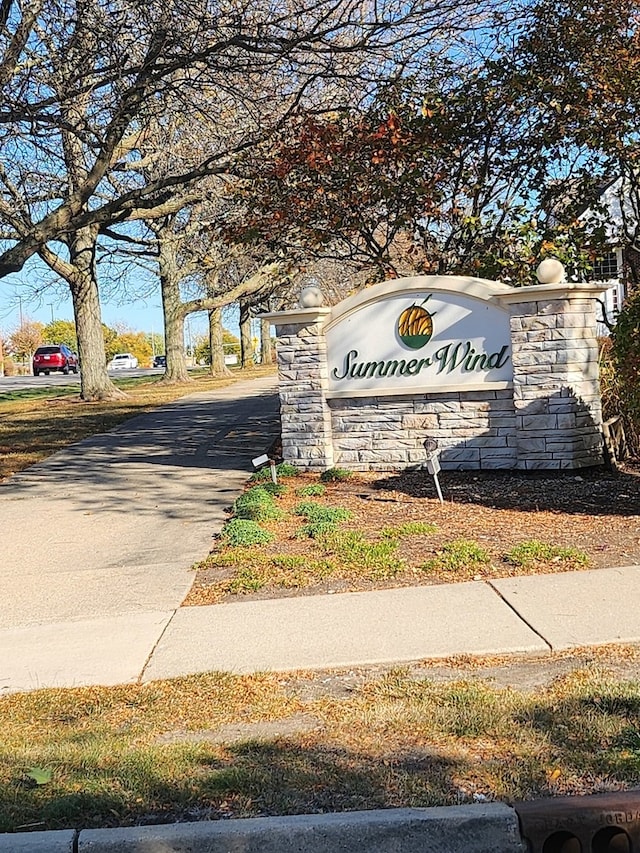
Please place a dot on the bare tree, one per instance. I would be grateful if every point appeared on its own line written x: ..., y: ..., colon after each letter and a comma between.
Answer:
x: 266, y: 353
x: 195, y: 277
x: 246, y: 347
x: 121, y: 62
x: 84, y: 80
x: 216, y: 344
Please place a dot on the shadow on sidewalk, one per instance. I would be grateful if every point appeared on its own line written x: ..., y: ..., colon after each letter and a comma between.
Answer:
x: 157, y: 461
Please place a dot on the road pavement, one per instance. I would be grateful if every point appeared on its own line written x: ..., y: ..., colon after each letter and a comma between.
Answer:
x: 57, y: 380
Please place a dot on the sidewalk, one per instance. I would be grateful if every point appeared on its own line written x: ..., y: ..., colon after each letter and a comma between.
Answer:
x: 97, y: 544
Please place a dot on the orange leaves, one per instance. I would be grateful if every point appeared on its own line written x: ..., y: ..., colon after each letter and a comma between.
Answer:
x: 430, y: 110
x: 389, y: 129
x: 318, y: 160
x: 281, y: 169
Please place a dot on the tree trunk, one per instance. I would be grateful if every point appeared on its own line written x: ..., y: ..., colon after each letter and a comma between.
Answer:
x: 246, y: 347
x: 265, y: 342
x: 218, y: 367
x: 95, y: 383
x: 176, y: 370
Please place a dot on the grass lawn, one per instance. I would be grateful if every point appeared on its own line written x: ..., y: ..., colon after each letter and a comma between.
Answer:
x: 218, y: 745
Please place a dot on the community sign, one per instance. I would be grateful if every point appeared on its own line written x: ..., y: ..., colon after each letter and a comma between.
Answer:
x: 419, y: 334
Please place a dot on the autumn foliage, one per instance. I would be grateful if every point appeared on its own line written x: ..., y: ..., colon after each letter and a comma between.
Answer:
x: 625, y: 352
x: 354, y: 182
x: 433, y: 181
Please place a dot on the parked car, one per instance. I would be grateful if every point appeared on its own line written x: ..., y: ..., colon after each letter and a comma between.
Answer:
x: 54, y: 357
x: 159, y: 361
x: 123, y: 361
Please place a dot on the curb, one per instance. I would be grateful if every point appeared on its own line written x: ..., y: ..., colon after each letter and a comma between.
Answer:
x: 60, y: 841
x: 482, y: 828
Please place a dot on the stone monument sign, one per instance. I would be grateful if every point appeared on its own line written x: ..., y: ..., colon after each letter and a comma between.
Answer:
x: 500, y: 377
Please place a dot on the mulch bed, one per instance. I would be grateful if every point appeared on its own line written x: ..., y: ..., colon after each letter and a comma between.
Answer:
x: 596, y: 511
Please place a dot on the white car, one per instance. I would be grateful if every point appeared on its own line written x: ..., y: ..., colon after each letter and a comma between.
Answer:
x: 123, y: 361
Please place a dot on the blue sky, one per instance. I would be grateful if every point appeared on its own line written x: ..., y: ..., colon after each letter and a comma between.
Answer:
x: 142, y: 314
x: 34, y: 294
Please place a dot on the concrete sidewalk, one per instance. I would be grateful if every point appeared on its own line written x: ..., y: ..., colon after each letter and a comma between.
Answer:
x: 511, y: 616
x: 97, y: 544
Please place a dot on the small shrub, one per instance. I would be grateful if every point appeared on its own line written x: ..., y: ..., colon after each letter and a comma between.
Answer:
x: 456, y: 556
x: 376, y: 560
x: 314, y: 490
x: 532, y: 551
x: 410, y: 528
x: 317, y: 513
x: 622, y: 390
x: 334, y: 475
x: 10, y: 368
x: 244, y: 532
x: 256, y: 504
x: 283, y: 469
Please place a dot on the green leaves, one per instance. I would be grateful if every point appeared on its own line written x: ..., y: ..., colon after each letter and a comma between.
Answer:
x: 623, y: 389
x: 39, y: 775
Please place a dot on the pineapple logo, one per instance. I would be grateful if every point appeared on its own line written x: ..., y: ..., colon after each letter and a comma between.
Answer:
x: 415, y: 325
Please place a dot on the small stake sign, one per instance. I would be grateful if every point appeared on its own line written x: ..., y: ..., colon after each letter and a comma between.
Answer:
x: 433, y: 464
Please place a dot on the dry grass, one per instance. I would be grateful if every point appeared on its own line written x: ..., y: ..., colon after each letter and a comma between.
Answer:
x: 217, y: 745
x: 226, y: 746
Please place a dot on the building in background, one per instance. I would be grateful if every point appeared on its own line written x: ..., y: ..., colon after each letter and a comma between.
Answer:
x: 618, y: 268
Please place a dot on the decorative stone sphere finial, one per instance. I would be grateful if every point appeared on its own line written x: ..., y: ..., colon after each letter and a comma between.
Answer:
x: 550, y: 271
x: 310, y: 297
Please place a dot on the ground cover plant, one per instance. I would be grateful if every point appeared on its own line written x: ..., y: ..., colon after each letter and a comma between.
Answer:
x: 244, y: 532
x: 257, y: 504
x: 370, y: 531
x: 223, y: 746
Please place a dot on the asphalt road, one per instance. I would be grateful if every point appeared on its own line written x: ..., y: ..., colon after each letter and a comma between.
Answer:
x: 20, y: 383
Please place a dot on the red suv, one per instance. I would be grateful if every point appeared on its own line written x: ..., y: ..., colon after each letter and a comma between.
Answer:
x: 54, y: 357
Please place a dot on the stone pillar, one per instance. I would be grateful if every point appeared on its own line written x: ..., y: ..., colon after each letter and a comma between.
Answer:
x: 302, y: 369
x: 555, y: 372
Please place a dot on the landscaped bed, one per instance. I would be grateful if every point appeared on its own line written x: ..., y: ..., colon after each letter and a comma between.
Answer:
x: 355, y: 532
